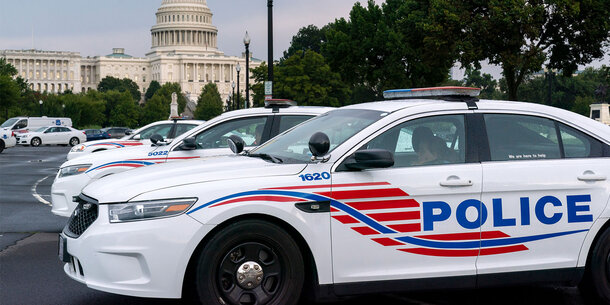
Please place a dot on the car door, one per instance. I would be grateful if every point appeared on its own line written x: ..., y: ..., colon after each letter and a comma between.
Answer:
x: 64, y: 134
x: 51, y: 136
x: 544, y: 185
x: 212, y: 141
x: 417, y: 219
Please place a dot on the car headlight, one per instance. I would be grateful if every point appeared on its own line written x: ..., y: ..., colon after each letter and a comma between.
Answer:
x: 78, y: 148
x: 73, y: 170
x: 144, y: 210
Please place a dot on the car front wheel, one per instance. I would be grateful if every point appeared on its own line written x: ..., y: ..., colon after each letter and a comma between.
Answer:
x: 595, y: 286
x: 250, y: 262
x: 35, y: 142
x: 74, y: 141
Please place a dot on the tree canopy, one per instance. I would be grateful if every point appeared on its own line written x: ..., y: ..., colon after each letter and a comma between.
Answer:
x: 521, y: 36
x: 209, y: 104
x: 109, y: 83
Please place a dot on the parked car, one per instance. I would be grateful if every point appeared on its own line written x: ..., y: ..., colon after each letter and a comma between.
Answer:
x: 117, y: 132
x: 7, y: 138
x: 96, y: 134
x: 53, y: 135
x: 255, y: 125
x: 486, y: 193
x: 168, y: 129
x: 23, y: 125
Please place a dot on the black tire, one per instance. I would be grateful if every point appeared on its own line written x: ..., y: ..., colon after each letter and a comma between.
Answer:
x: 74, y: 141
x: 2, y: 145
x: 255, y: 243
x: 35, y: 142
x: 595, y: 286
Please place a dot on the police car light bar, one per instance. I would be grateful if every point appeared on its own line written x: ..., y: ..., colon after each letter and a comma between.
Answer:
x: 431, y: 92
x: 279, y: 103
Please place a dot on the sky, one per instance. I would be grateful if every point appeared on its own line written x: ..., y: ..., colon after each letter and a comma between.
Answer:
x: 93, y: 28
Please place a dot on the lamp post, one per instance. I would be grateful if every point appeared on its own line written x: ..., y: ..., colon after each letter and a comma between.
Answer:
x: 40, y: 102
x: 247, y: 44
x: 228, y: 106
x: 238, y: 69
x: 233, y: 96
x: 270, y: 40
x: 63, y: 109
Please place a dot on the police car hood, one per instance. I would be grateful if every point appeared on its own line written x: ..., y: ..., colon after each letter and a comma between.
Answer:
x: 124, y: 186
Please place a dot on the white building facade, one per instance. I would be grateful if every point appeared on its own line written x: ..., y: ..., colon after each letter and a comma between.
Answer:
x: 184, y: 50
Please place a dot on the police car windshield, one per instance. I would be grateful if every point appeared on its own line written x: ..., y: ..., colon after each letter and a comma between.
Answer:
x: 292, y: 146
x: 9, y: 123
x: 41, y: 129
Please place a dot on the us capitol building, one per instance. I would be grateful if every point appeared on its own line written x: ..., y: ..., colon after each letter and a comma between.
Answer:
x: 184, y: 50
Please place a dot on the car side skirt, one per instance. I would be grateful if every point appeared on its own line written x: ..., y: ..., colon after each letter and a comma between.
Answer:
x: 565, y: 276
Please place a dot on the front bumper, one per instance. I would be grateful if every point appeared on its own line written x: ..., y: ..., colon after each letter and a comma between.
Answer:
x: 64, y: 190
x: 141, y: 258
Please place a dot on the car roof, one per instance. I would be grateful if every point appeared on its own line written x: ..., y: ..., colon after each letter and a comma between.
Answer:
x: 281, y: 110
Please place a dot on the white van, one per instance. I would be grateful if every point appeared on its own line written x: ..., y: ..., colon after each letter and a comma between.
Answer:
x: 31, y: 123
x: 21, y: 125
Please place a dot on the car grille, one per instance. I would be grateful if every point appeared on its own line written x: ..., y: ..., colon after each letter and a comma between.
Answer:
x: 83, y: 216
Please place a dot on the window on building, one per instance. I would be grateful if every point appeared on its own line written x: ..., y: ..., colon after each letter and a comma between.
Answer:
x: 44, y: 75
x: 37, y: 74
x: 136, y: 78
x: 144, y: 78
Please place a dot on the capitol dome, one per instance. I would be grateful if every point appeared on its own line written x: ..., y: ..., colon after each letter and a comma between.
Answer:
x: 184, y: 26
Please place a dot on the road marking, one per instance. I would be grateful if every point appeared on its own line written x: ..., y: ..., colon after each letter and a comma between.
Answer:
x: 35, y: 193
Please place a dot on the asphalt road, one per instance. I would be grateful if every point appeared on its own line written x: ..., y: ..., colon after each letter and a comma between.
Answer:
x: 30, y: 272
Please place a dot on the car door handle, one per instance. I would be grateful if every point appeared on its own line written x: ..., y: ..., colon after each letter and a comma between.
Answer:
x: 455, y: 182
x: 591, y: 177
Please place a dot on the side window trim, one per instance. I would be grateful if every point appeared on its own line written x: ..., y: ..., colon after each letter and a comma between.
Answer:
x: 562, y: 152
x: 477, y: 144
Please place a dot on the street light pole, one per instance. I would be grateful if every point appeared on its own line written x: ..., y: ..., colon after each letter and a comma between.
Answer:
x: 233, y: 97
x: 247, y: 44
x: 40, y: 102
x: 238, y: 68
x: 270, y: 40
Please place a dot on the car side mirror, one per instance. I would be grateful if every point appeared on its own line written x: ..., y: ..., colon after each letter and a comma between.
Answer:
x: 137, y: 137
x: 128, y: 132
x: 319, y: 144
x: 188, y: 144
x: 156, y: 138
x: 236, y: 144
x: 370, y: 158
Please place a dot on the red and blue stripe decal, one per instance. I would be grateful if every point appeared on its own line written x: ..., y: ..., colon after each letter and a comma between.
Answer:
x: 138, y: 162
x: 362, y: 209
x: 116, y: 144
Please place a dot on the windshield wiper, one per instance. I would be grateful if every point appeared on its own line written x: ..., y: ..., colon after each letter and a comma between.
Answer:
x: 273, y: 159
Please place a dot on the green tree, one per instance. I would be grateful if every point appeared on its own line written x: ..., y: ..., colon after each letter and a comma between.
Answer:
x: 308, y: 38
x: 474, y: 78
x: 165, y: 92
x: 109, y: 83
x: 152, y: 89
x: 126, y: 112
x: 305, y: 78
x: 209, y: 104
x: 155, y: 109
x: 9, y: 94
x: 521, y: 36
x: 400, y: 44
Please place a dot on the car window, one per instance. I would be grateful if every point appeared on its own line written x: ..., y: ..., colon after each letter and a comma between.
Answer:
x: 521, y: 137
x: 426, y: 141
x: 8, y: 123
x: 64, y: 129
x: 579, y: 145
x: 21, y: 124
x: 249, y: 129
x: 182, y: 128
x: 161, y: 129
x: 289, y: 121
x: 41, y: 129
x: 52, y: 129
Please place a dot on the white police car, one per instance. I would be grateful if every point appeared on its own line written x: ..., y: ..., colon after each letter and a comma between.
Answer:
x: 168, y: 129
x: 398, y: 195
x: 7, y: 139
x: 255, y: 125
